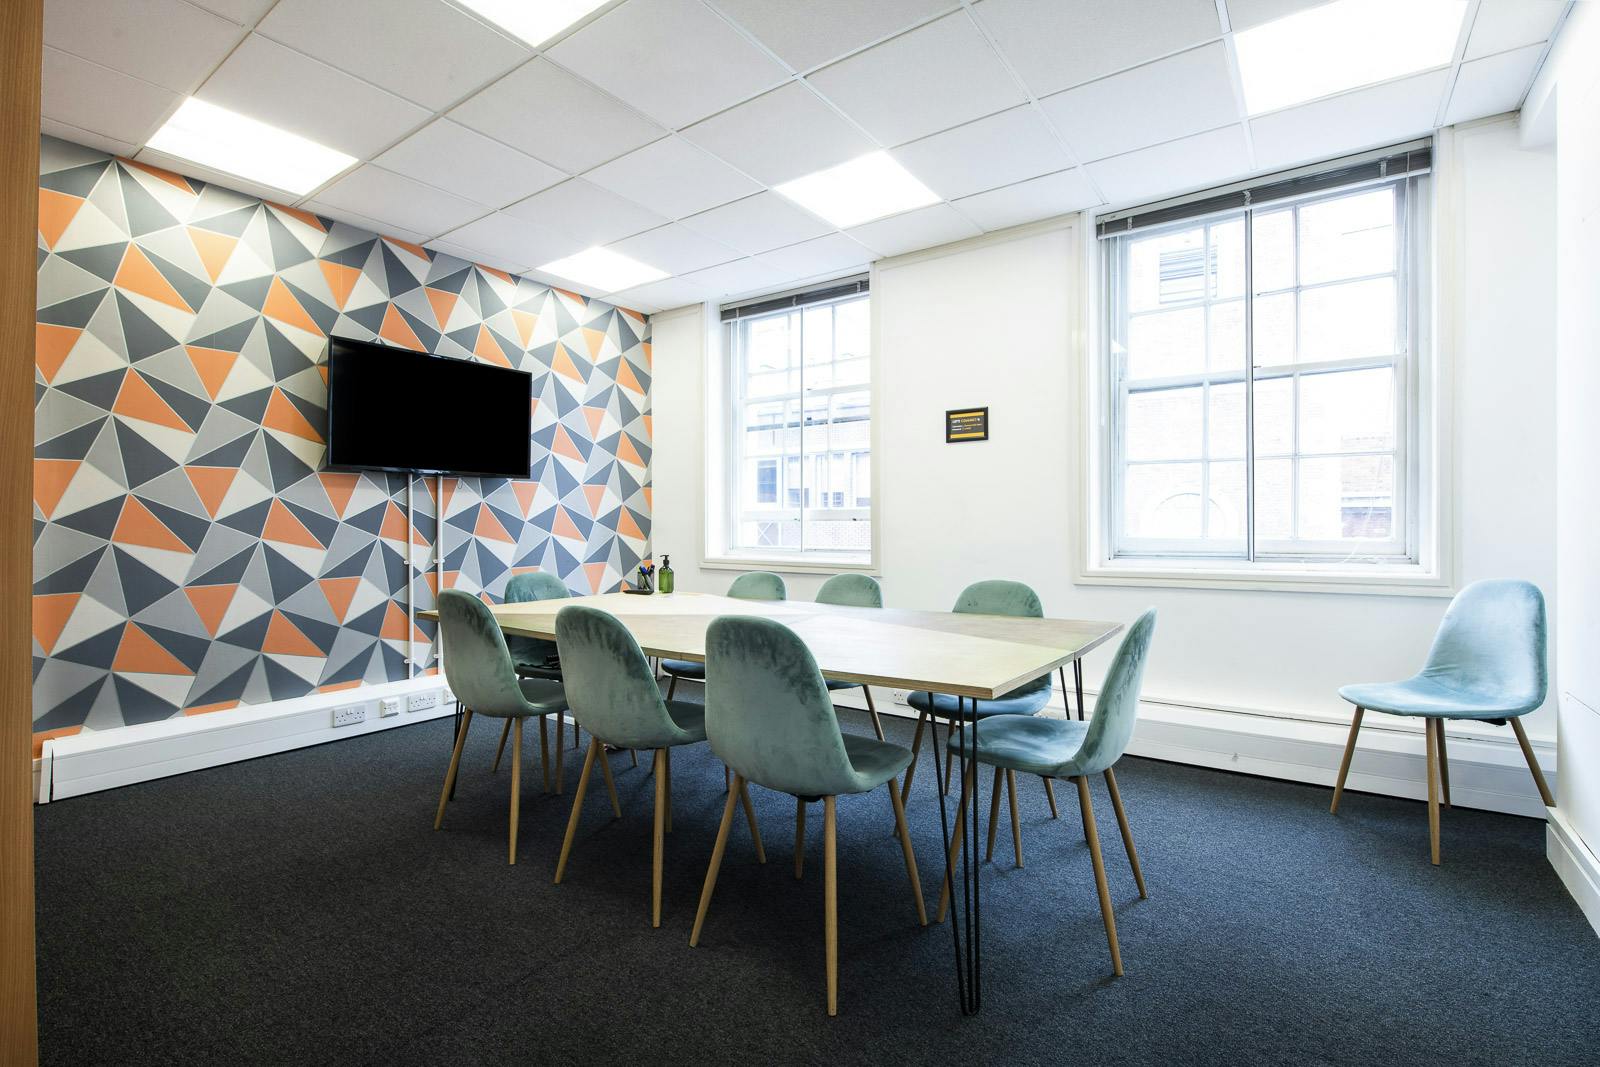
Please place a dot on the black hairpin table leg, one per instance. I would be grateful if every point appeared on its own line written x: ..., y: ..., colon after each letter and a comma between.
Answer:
x: 967, y: 924
x: 453, y: 735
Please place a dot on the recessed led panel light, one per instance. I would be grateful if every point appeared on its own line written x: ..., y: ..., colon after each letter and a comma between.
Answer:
x: 229, y: 142
x: 603, y: 269
x: 1342, y: 45
x: 866, y: 188
x: 535, y: 21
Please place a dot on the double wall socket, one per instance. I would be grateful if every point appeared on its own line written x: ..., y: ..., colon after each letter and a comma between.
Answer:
x: 349, y: 716
x: 422, y: 701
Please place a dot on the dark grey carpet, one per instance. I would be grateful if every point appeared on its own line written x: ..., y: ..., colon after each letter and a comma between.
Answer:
x: 299, y: 909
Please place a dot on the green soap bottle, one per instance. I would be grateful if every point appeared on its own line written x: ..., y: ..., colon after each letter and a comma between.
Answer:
x: 664, y: 576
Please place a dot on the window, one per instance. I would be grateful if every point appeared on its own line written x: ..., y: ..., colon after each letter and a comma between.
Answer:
x: 800, y: 428
x: 1262, y: 371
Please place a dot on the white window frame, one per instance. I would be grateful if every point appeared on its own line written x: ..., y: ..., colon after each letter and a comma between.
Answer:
x: 1418, y: 561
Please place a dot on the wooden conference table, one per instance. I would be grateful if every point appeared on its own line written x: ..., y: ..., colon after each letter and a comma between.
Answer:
x: 977, y: 657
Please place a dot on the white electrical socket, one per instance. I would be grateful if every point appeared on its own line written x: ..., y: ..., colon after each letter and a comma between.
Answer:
x: 422, y: 701
x: 900, y: 696
x: 388, y: 706
x: 349, y: 716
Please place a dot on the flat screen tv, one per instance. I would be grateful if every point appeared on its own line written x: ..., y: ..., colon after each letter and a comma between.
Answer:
x: 393, y: 409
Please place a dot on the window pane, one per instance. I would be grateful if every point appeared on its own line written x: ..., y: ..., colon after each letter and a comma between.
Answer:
x: 1167, y: 343
x: 1227, y: 259
x: 1274, y: 499
x: 1227, y: 335
x: 1350, y: 237
x: 1274, y: 413
x: 1274, y: 329
x: 1273, y: 233
x: 838, y: 535
x: 1162, y: 501
x: 852, y: 330
x: 770, y: 533
x: 1229, y: 515
x: 1347, y: 498
x: 1166, y: 269
x: 1164, y: 424
x: 1348, y: 321
x: 1352, y: 411
x: 1225, y: 429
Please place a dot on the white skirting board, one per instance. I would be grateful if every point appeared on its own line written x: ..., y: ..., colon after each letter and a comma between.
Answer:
x: 1578, y: 867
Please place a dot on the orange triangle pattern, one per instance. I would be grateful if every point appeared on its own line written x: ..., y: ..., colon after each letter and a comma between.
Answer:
x: 137, y: 526
x: 138, y: 275
x: 175, y: 180
x: 596, y: 573
x: 283, y: 416
x: 594, y: 417
x: 51, y: 346
x: 526, y: 492
x: 138, y: 653
x: 488, y: 348
x: 50, y: 614
x: 443, y: 304
x: 627, y: 525
x: 210, y: 603
x: 394, y: 623
x: 282, y: 526
x: 596, y: 340
x: 394, y: 524
x: 627, y: 452
x: 50, y: 480
x: 490, y: 527
x: 563, y: 526
x: 562, y: 363
x: 282, y: 306
x: 56, y: 212
x: 340, y: 487
x: 526, y: 322
x: 340, y: 592
x: 211, y: 485
x: 341, y: 281
x: 136, y: 400
x: 214, y: 250
x: 627, y: 379
x: 212, y: 365
x: 596, y: 494
x: 284, y: 638
x: 562, y: 444
x: 397, y: 331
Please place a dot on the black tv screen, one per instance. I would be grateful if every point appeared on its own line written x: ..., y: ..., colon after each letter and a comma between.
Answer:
x: 394, y: 409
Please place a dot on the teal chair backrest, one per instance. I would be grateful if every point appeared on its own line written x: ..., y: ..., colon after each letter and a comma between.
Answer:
x: 521, y: 589
x: 476, y: 662
x: 768, y: 714
x: 609, y: 685
x: 997, y: 596
x: 1492, y: 642
x: 1117, y: 706
x: 851, y: 590
x: 758, y: 585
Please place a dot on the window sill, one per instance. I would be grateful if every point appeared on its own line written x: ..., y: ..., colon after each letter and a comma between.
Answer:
x: 809, y: 564
x: 1373, y: 580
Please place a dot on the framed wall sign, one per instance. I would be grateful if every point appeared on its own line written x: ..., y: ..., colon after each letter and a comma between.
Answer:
x: 966, y: 424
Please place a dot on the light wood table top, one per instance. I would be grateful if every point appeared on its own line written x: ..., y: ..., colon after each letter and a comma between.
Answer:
x: 984, y: 656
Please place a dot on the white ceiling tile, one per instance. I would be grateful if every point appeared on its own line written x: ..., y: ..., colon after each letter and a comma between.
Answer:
x: 675, y: 249
x: 664, y: 295
x: 244, y: 12
x: 190, y: 169
x: 1505, y: 24
x: 566, y: 285
x: 1364, y: 118
x: 1029, y: 201
x: 781, y: 135
x: 1174, y: 167
x: 735, y: 279
x: 264, y: 80
x: 1494, y: 84
x: 399, y: 201
x: 510, y: 239
x: 167, y: 42
x: 592, y: 215
x: 88, y: 138
x: 807, y: 34
x: 467, y: 163
x: 424, y: 50
x: 672, y: 59
x: 937, y: 76
x: 101, y: 100
x: 821, y: 255
x: 997, y: 150
x: 553, y: 116
x: 673, y: 178
x: 758, y: 223
x: 1242, y: 14
x: 476, y: 256
x: 1056, y: 44
x: 937, y: 224
x: 1161, y: 101
x: 362, y: 222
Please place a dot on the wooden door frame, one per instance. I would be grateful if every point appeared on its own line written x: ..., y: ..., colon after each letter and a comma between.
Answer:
x: 21, y: 32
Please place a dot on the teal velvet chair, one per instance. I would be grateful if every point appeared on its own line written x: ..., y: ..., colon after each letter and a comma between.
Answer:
x: 769, y: 718
x: 478, y: 667
x: 1487, y: 664
x: 855, y: 591
x: 536, y: 658
x: 1070, y: 748
x: 992, y: 597
x: 756, y: 585
x: 613, y: 693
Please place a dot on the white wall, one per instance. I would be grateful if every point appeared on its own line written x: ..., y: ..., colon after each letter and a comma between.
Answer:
x: 996, y: 322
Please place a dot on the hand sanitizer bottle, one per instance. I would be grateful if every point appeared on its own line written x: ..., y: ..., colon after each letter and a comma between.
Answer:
x: 664, y: 576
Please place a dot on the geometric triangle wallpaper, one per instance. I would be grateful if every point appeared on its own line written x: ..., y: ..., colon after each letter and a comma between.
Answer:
x: 190, y: 553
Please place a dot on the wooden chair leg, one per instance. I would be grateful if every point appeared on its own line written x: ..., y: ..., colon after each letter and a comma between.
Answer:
x: 908, y: 851
x: 949, y: 757
x: 750, y: 817
x: 716, y: 865
x: 561, y: 725
x: 799, y: 837
x: 1016, y: 823
x: 505, y: 732
x: 1127, y: 834
x: 633, y: 752
x: 1344, y: 764
x: 727, y: 779
x: 994, y: 812
x: 660, y: 838
x: 1444, y: 763
x: 916, y: 745
x: 830, y: 899
x: 1533, y: 764
x: 455, y: 762
x: 1050, y: 795
x: 1099, y: 873
x: 611, y: 783
x: 544, y: 750
x: 877, y: 723
x: 667, y: 762
x: 672, y: 686
x: 1433, y: 791
x: 967, y: 788
x: 577, y: 807
x: 516, y: 783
